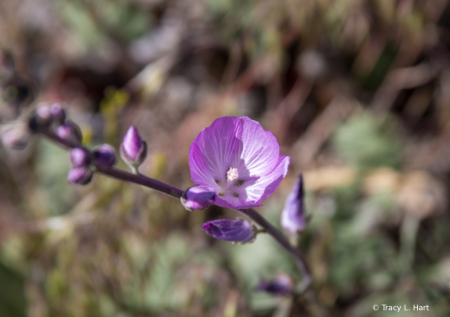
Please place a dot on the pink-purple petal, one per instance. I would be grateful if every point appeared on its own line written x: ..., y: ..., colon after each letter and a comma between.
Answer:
x: 200, y: 171
x: 258, y: 152
x: 218, y: 144
x: 232, y: 202
x: 266, y: 185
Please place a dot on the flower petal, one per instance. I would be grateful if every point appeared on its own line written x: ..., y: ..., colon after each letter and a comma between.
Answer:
x: 218, y: 144
x: 200, y: 171
x: 258, y: 150
x: 235, y: 203
x: 266, y: 185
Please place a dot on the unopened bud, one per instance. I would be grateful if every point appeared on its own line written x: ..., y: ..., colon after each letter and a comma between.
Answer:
x: 43, y: 115
x: 104, y: 156
x: 239, y: 231
x: 69, y: 132
x: 293, y: 214
x: 80, y: 157
x: 80, y: 175
x: 133, y: 149
x: 198, y: 197
x: 58, y: 113
x: 281, y: 286
x: 16, y: 137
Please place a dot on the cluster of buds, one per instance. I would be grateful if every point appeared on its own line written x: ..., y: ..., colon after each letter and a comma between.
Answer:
x: 17, y: 134
x: 45, y: 115
x: 133, y: 151
x: 52, y: 118
x: 81, y: 173
x: 81, y: 159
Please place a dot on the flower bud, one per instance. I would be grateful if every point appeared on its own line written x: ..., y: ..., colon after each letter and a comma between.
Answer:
x: 133, y: 150
x: 198, y: 197
x: 104, y: 156
x: 43, y: 115
x: 240, y: 231
x: 280, y: 286
x: 292, y: 216
x: 16, y: 137
x: 58, y: 113
x: 80, y: 175
x: 69, y: 132
x: 80, y: 157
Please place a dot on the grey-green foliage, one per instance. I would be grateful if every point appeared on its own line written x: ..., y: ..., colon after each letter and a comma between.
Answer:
x: 365, y: 143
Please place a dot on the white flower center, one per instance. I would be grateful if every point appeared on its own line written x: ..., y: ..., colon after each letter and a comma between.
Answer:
x: 232, y: 174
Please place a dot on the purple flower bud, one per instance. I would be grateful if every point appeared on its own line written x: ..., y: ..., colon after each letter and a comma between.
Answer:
x: 292, y: 216
x: 281, y: 286
x: 198, y: 197
x: 43, y: 115
x: 80, y: 157
x: 69, y: 132
x: 133, y: 150
x: 16, y: 137
x: 231, y: 230
x: 57, y: 112
x: 104, y: 156
x: 80, y: 175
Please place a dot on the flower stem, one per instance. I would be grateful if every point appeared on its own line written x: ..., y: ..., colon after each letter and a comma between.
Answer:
x: 176, y: 193
x: 141, y: 180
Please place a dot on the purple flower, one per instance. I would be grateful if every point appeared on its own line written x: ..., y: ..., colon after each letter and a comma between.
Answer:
x: 80, y: 157
x: 280, y: 286
x: 104, y: 156
x: 230, y: 230
x: 198, y: 197
x: 80, y: 175
x: 292, y: 216
x: 239, y: 159
x: 133, y: 150
x: 69, y: 132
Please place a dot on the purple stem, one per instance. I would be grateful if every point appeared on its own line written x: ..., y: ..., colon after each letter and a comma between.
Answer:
x: 175, y: 192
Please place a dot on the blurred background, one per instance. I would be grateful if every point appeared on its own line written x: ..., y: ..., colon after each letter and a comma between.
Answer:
x: 357, y: 92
